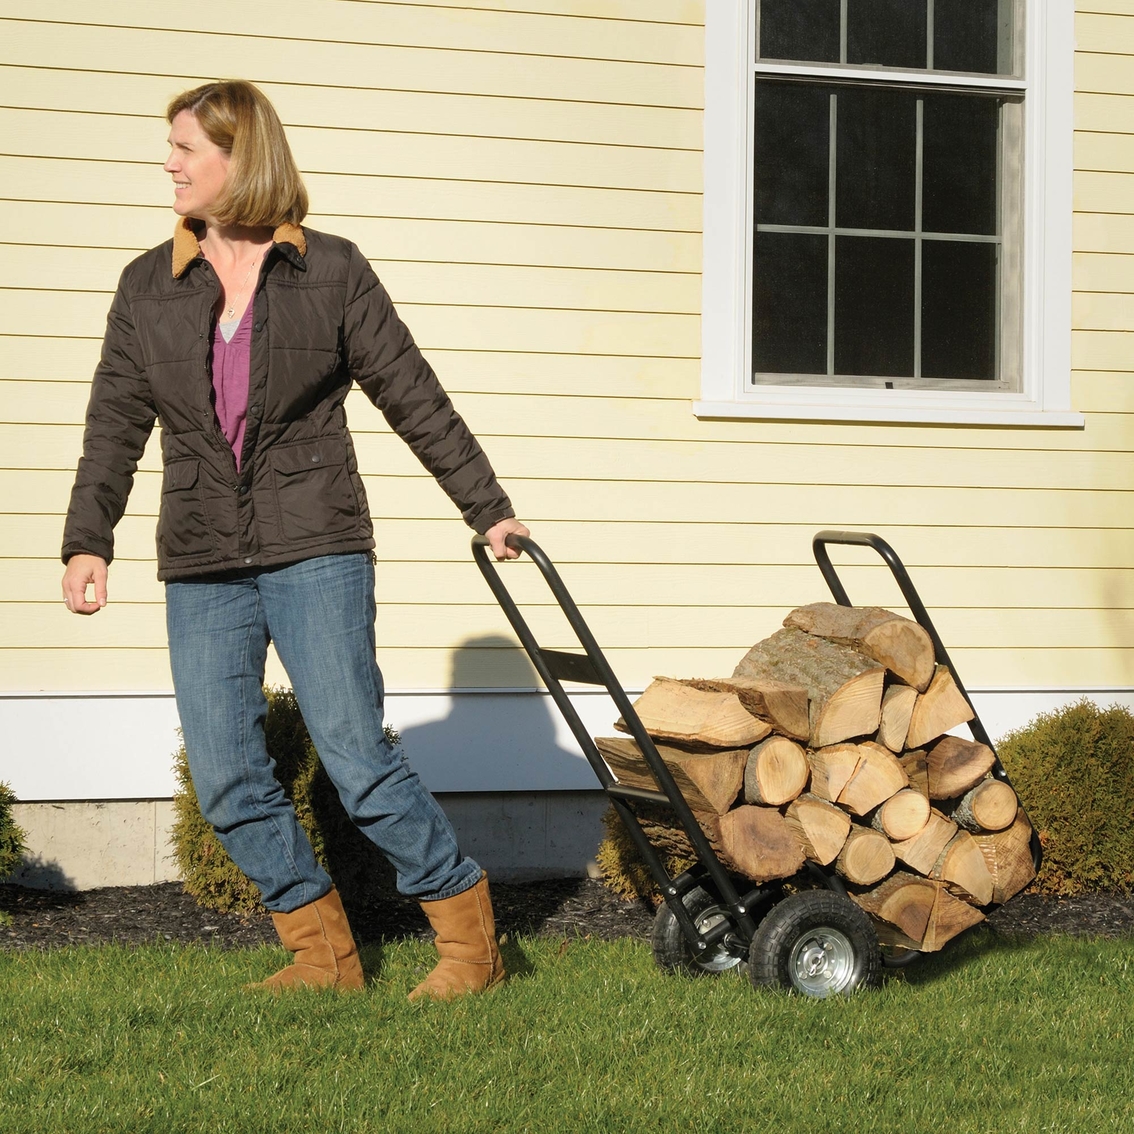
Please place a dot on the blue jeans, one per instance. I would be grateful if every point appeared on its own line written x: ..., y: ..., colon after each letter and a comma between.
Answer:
x: 320, y: 615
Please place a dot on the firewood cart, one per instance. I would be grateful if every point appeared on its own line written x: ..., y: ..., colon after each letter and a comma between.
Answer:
x: 802, y: 933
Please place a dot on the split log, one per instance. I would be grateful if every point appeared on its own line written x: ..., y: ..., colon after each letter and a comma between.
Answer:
x: 897, y: 707
x: 990, y: 806
x: 940, y: 708
x: 821, y: 827
x: 831, y: 769
x: 759, y: 842
x: 963, y: 868
x: 897, y: 643
x: 1008, y: 855
x: 844, y: 686
x: 948, y: 917
x: 783, y: 706
x: 917, y: 769
x: 709, y: 781
x: 955, y: 765
x: 672, y: 710
x: 867, y: 856
x: 776, y: 772
x: 902, y: 816
x: 922, y: 850
x: 877, y: 777
x: 904, y: 901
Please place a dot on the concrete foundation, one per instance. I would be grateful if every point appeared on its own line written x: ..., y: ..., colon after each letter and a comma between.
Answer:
x: 517, y: 836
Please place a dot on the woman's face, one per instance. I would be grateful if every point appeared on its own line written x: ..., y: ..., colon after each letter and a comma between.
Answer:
x: 198, y: 167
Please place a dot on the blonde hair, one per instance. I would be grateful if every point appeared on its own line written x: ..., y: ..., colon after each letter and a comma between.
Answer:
x: 263, y: 187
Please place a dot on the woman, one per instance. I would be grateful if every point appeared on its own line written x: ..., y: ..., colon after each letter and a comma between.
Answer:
x: 243, y: 334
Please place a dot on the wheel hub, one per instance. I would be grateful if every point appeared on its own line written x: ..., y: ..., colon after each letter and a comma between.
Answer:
x: 821, y: 962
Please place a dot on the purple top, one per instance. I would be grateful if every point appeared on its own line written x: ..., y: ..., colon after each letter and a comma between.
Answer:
x: 232, y: 360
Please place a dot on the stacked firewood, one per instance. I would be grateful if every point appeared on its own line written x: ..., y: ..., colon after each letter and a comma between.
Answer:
x: 831, y: 742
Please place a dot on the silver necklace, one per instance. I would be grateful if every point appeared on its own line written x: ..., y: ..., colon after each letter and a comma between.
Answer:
x: 230, y: 311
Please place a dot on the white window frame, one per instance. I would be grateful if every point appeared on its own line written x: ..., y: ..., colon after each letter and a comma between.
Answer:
x: 1045, y: 396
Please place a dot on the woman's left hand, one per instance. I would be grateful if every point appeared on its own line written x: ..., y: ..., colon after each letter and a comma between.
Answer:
x: 497, y: 534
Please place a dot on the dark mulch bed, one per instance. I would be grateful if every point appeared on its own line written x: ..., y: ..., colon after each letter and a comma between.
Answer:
x: 572, y: 907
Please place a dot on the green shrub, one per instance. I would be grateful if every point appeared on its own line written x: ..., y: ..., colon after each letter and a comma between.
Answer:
x: 360, y: 871
x: 1074, y: 772
x: 11, y: 836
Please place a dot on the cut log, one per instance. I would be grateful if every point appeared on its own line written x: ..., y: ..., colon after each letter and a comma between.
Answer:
x: 1008, y: 855
x: 955, y: 765
x: 902, y: 816
x: 948, y: 917
x: 777, y: 771
x: 897, y: 707
x: 783, y: 706
x: 897, y: 643
x: 759, y: 842
x: 940, y: 708
x: 877, y: 777
x: 822, y: 827
x: 867, y: 856
x: 916, y: 767
x: 904, y: 901
x: 990, y: 806
x: 922, y: 850
x: 844, y: 686
x: 672, y: 710
x: 831, y: 769
x: 962, y: 866
x: 709, y: 781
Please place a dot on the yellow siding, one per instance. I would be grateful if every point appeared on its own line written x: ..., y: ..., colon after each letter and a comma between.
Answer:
x: 528, y: 184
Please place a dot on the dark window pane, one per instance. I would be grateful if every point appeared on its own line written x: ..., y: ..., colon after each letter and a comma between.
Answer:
x: 959, y: 164
x: 874, y: 307
x: 958, y: 310
x: 876, y: 149
x: 800, y: 29
x: 789, y: 303
x: 966, y: 35
x: 887, y: 33
x: 791, y: 154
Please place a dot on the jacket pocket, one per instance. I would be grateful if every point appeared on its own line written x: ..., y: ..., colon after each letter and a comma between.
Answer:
x: 183, y: 523
x: 313, y: 492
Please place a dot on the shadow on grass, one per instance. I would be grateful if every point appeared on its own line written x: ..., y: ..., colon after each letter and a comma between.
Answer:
x: 974, y: 946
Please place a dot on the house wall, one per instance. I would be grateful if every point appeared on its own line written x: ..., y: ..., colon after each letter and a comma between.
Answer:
x: 528, y: 186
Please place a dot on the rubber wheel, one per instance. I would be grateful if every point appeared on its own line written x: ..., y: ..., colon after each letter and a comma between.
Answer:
x: 673, y: 952
x: 816, y: 943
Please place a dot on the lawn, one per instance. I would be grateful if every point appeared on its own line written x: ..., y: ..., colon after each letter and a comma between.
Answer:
x: 993, y: 1035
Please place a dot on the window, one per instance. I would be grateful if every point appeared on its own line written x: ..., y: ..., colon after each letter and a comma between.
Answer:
x: 888, y: 210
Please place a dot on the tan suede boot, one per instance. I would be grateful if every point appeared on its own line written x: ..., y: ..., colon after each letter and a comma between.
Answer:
x: 325, y: 953
x: 466, y: 942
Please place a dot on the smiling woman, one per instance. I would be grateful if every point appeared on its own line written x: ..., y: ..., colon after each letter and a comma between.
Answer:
x: 245, y: 333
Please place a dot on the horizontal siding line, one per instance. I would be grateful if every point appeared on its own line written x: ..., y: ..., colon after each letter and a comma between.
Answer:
x: 530, y: 12
x: 328, y: 128
x: 261, y: 37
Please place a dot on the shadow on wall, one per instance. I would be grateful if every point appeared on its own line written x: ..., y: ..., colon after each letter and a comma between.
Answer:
x: 38, y: 873
x: 495, y: 741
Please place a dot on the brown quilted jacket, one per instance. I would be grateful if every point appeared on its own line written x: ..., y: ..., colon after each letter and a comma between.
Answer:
x: 321, y: 320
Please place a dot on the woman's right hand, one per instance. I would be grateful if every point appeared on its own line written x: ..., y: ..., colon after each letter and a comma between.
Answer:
x: 84, y: 571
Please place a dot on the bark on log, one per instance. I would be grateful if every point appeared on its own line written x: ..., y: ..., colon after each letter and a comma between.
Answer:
x: 759, y: 842
x: 831, y: 769
x: 990, y: 806
x: 1008, y: 855
x: 672, y: 710
x: 902, y: 816
x: 776, y: 772
x: 897, y: 707
x: 821, y: 827
x: 844, y: 686
x: 922, y: 850
x: 963, y: 868
x: 897, y: 643
x: 940, y: 708
x: 867, y: 856
x: 948, y: 917
x: 709, y: 781
x: 782, y: 705
x: 877, y: 777
x: 955, y: 765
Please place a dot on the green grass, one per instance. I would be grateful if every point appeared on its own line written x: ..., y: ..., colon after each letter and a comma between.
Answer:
x: 993, y: 1035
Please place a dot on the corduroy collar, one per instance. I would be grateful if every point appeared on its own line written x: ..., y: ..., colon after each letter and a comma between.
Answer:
x: 186, y: 246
